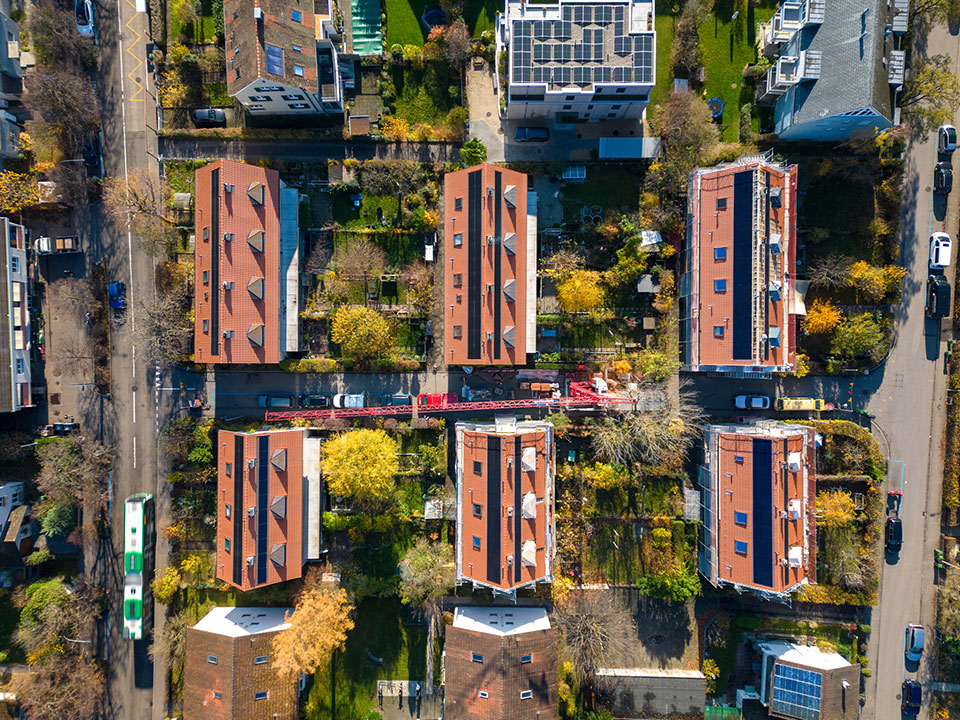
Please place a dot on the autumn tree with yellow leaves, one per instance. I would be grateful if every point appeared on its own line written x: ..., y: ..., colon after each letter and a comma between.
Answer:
x: 580, y: 292
x: 17, y: 191
x: 318, y: 627
x: 822, y: 317
x: 361, y: 464
x: 394, y: 128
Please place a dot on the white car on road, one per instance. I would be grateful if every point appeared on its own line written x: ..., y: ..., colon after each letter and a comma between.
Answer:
x: 752, y: 402
x: 939, y: 251
x: 946, y: 139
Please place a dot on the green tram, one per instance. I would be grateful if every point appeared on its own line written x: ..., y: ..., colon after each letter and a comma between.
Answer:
x: 139, y: 539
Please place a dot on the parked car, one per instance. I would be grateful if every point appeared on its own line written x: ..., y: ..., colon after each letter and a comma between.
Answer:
x: 396, y: 400
x: 86, y: 17
x: 913, y: 642
x: 436, y: 399
x: 117, y: 295
x: 751, y: 402
x: 275, y: 401
x: 531, y: 134
x: 314, y: 401
x: 938, y: 296
x: 946, y: 139
x: 57, y: 245
x: 939, y: 251
x: 209, y: 116
x: 911, y: 697
x: 943, y: 178
x: 343, y: 400
x: 893, y: 534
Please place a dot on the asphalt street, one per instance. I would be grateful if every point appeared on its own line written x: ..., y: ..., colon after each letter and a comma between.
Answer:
x: 132, y: 409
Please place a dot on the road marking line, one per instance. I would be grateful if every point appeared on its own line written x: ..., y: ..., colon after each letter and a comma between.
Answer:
x: 134, y: 407
x: 134, y: 451
x: 139, y: 91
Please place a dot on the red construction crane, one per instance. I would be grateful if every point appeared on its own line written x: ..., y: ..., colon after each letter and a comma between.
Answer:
x: 581, y: 395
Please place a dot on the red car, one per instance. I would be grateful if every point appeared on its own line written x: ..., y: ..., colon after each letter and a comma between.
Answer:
x: 436, y: 399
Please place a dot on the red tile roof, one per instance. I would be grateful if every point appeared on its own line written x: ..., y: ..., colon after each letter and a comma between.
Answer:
x: 524, y: 662
x: 477, y: 302
x: 250, y: 308
x: 505, y: 528
x: 741, y: 292
x: 243, y: 459
x: 744, y: 526
x: 278, y: 28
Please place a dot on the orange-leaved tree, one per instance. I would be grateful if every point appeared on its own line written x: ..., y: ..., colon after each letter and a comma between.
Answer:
x: 318, y: 627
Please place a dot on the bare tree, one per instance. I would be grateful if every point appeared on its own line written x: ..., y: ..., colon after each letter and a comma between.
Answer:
x: 164, y: 328
x: 419, y: 278
x: 141, y: 199
x: 57, y: 43
x: 596, y: 627
x: 168, y: 648
x: 62, y: 688
x: 72, y: 469
x: 360, y: 261
x: 456, y: 43
x: 845, y: 564
x: 426, y: 573
x: 660, y: 437
x: 832, y: 271
x: 66, y: 100
x: 948, y: 605
x: 59, y: 614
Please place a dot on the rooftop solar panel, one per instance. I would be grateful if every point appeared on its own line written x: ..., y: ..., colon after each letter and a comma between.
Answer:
x: 796, y: 692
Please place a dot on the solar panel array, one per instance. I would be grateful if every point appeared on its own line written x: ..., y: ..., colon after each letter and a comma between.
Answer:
x: 796, y: 692
x: 572, y: 50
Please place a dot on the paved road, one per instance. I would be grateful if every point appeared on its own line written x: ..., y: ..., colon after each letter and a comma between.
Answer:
x: 131, y: 412
x: 910, y: 408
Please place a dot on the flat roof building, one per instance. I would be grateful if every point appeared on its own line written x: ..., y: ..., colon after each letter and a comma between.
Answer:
x: 652, y: 692
x: 228, y: 673
x: 268, y: 506
x: 738, y: 303
x: 246, y: 277
x: 15, y: 375
x: 505, y: 521
x: 490, y: 267
x: 500, y: 663
x: 282, y: 58
x: 758, y: 490
x: 802, y: 682
x: 578, y: 60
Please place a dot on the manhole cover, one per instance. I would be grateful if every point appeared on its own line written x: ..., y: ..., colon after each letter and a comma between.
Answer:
x: 927, y: 189
x: 489, y: 114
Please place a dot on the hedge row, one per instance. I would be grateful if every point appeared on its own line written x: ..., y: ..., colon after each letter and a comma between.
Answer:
x: 329, y: 365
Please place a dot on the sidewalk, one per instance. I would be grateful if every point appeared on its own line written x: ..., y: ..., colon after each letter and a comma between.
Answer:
x: 396, y: 700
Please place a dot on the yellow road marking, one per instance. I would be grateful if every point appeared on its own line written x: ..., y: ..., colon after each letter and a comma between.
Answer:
x: 138, y: 94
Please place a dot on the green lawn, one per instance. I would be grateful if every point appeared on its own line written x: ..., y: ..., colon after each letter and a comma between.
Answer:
x: 480, y: 15
x: 381, y: 646
x: 425, y: 95
x: 663, y: 22
x: 403, y: 22
x: 179, y: 174
x: 609, y: 186
x: 613, y: 553
x: 201, y: 32
x: 728, y: 45
x: 354, y: 218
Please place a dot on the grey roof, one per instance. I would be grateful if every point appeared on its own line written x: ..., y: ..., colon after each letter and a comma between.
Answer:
x: 9, y: 65
x: 852, y: 76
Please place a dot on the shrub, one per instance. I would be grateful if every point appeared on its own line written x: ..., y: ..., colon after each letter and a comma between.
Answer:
x: 660, y: 538
x: 309, y: 365
x: 166, y: 585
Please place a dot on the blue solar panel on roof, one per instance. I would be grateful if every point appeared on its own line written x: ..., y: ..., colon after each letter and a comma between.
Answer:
x: 796, y: 692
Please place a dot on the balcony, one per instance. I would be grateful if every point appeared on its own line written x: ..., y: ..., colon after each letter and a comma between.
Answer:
x: 790, y: 17
x: 895, y: 67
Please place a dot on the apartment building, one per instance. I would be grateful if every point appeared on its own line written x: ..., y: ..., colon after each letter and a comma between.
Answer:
x: 738, y: 302
x: 757, y: 495
x: 15, y: 377
x: 500, y: 663
x: 282, y: 58
x: 228, y: 673
x: 837, y: 67
x: 490, y: 267
x: 505, y: 519
x: 577, y: 60
x: 269, y: 506
x: 247, y: 269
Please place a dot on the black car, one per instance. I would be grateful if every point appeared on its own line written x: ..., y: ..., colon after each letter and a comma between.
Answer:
x: 531, y: 134
x: 314, y: 401
x: 938, y: 296
x: 893, y: 534
x: 943, y: 178
x: 911, y: 697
